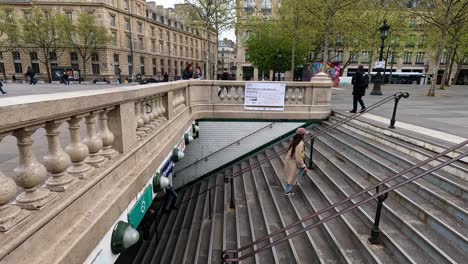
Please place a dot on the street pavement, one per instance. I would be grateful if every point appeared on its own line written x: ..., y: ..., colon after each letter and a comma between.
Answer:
x: 446, y: 112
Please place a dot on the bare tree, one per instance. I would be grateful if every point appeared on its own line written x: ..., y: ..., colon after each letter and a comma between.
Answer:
x: 8, y: 32
x: 217, y: 15
x: 441, y: 16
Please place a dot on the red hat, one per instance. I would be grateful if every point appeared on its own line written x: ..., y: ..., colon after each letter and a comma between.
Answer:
x: 302, y: 131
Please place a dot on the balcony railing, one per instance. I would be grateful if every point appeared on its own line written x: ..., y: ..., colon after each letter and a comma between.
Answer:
x: 111, y: 137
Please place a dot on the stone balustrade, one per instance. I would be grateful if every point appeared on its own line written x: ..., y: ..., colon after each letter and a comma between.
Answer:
x: 123, y: 127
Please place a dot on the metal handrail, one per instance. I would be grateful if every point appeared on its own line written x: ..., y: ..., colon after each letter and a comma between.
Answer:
x: 227, y: 258
x: 227, y: 146
x: 313, y: 136
x: 310, y: 137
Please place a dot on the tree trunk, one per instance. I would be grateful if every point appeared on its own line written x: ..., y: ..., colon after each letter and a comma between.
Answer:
x: 443, y: 82
x: 452, y: 60
x: 435, y: 70
x: 84, y: 75
x: 208, y: 67
x: 457, y: 72
x: 292, y: 59
x: 49, y: 75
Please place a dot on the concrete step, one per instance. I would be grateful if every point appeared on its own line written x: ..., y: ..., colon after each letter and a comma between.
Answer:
x: 452, y: 205
x: 302, y: 243
x: 203, y: 243
x: 451, y: 183
x: 457, y: 169
x: 189, y: 221
x: 170, y: 234
x: 413, y: 137
x: 257, y: 219
x: 285, y: 252
x: 216, y: 236
x: 409, y: 213
x: 349, y: 232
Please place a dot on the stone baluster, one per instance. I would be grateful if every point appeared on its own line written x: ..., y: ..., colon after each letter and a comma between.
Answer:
x: 139, y: 121
x: 94, y: 142
x: 182, y: 98
x: 30, y: 174
x: 287, y: 96
x: 229, y: 93
x: 293, y: 96
x: 241, y: 93
x: 144, y: 117
x: 300, y: 96
x: 10, y: 215
x: 156, y: 109
x: 236, y: 93
x: 222, y: 93
x: 162, y: 109
x: 78, y: 151
x: 56, y: 160
x: 106, y: 135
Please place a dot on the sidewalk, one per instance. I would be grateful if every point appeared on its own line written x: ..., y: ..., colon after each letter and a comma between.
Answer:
x: 446, y: 112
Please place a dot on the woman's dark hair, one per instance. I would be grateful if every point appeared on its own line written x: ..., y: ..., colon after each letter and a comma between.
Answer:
x: 188, y: 67
x: 295, y: 141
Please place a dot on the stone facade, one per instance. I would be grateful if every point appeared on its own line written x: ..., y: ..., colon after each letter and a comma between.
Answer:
x: 226, y: 56
x: 161, y: 42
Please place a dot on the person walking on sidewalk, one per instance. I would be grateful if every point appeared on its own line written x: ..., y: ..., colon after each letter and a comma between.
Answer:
x: 31, y: 74
x: 1, y: 88
x: 294, y: 166
x: 360, y: 82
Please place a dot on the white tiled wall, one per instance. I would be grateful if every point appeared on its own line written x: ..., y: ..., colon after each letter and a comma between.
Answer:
x: 216, y: 135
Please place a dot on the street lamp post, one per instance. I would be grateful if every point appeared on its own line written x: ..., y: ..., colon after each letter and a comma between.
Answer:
x: 279, y: 64
x: 378, y: 78
x: 131, y: 41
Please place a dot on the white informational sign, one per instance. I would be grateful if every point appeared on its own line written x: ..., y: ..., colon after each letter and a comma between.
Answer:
x: 379, y: 64
x: 264, y: 96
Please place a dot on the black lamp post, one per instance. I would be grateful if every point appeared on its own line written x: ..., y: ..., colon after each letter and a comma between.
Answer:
x: 378, y: 78
x: 279, y: 64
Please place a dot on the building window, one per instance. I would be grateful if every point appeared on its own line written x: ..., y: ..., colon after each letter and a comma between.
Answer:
x: 175, y: 50
x: 130, y: 64
x: 181, y: 51
x: 443, y: 59
x: 422, y: 40
x: 408, y: 57
x: 127, y: 24
x: 138, y: 9
x: 126, y: 4
x: 69, y: 15
x: 339, y: 56
x: 95, y: 64
x: 116, y: 64
x: 160, y: 34
x: 129, y: 42
x: 161, y: 45
x: 168, y: 35
x: 112, y: 20
x: 365, y: 57
x: 142, y: 65
x: 413, y: 23
x: 74, y: 60
x: 420, y: 57
x: 17, y: 62
x: 393, y: 59
x: 2, y: 64
x: 152, y: 31
x: 162, y: 66
x: 114, y: 39
x: 186, y: 52
x: 140, y: 27
x: 53, y: 59
x: 153, y: 46
x: 140, y: 43
x: 34, y: 62
x: 154, y: 66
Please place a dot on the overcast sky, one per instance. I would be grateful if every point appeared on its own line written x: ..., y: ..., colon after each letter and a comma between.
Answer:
x: 170, y: 3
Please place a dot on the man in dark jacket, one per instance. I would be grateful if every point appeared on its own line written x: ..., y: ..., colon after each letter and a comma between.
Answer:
x: 359, y: 89
x: 31, y: 74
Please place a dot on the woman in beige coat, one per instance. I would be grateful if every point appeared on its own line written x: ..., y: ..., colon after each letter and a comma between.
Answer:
x: 294, y: 166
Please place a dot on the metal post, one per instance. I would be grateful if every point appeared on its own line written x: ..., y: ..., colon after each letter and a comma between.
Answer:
x: 232, y: 193
x: 209, y: 202
x: 395, y: 106
x: 375, y: 231
x: 311, y: 164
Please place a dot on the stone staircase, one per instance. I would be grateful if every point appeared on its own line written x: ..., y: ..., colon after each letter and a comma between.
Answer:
x: 422, y: 222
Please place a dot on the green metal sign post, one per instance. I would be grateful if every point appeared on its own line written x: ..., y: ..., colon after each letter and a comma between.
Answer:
x: 139, y: 210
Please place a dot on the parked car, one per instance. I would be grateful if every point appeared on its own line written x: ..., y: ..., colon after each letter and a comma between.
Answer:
x: 148, y: 80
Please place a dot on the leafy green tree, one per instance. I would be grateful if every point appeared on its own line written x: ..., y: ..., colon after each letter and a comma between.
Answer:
x: 266, y: 40
x: 86, y: 37
x: 8, y: 31
x: 43, y: 31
